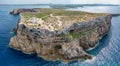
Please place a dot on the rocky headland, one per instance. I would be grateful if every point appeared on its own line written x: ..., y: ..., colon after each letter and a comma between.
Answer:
x: 55, y: 34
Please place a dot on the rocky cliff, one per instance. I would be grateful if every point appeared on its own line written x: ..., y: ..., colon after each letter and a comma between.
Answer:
x: 59, y: 34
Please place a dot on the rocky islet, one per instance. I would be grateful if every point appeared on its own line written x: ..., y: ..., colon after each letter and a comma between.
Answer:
x: 55, y: 34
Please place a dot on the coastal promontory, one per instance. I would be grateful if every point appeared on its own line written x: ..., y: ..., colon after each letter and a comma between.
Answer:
x: 55, y: 34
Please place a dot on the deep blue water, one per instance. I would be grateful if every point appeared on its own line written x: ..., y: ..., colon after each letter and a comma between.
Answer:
x: 106, y: 53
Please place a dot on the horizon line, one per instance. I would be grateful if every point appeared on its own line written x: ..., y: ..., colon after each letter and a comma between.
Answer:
x: 60, y: 4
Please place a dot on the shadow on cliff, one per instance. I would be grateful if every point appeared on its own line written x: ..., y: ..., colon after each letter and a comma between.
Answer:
x: 103, y: 42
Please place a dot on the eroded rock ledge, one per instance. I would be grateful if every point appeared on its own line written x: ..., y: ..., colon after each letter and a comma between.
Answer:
x: 58, y: 34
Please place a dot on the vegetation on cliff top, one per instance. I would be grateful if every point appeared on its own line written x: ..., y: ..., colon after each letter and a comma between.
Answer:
x: 72, y: 15
x: 42, y: 35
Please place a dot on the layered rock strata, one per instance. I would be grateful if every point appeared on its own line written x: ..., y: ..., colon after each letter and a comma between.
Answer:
x: 59, y: 34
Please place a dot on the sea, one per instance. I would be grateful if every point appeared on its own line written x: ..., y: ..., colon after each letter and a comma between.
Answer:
x: 106, y: 53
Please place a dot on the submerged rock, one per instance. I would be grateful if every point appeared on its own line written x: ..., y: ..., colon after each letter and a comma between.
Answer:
x: 59, y: 34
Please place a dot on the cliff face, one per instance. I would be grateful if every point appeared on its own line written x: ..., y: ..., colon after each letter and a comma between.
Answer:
x: 61, y: 35
x: 18, y: 11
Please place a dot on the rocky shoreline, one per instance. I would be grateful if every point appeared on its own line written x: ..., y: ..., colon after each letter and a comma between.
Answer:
x: 58, y: 34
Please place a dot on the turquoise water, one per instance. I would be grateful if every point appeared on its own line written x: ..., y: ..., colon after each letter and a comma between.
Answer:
x: 106, y: 53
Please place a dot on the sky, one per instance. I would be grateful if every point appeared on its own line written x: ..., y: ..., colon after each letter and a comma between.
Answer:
x: 60, y: 1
